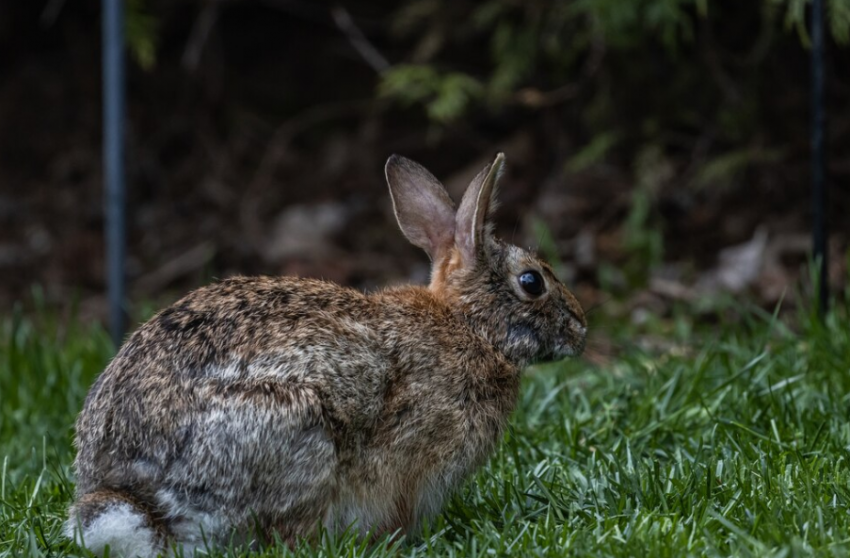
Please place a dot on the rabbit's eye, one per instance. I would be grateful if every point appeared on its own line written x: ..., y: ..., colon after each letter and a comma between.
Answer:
x: 532, y: 283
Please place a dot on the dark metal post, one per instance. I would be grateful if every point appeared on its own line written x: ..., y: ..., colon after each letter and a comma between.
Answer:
x: 113, y: 160
x: 820, y: 225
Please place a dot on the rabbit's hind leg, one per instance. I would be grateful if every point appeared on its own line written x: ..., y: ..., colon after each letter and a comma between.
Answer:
x: 259, y: 464
x: 108, y: 518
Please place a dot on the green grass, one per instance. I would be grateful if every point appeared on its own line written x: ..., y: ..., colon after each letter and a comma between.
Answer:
x: 724, y: 441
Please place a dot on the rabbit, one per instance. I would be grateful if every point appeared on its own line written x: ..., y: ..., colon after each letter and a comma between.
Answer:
x: 259, y: 407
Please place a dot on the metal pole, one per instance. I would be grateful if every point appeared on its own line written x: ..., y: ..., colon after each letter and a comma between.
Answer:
x: 113, y: 161
x: 820, y: 225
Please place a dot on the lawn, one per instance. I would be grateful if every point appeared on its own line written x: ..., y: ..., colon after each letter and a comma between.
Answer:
x: 722, y: 440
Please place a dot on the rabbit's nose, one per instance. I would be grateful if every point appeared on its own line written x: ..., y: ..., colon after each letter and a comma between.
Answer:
x: 581, y: 334
x: 578, y: 330
x: 577, y: 322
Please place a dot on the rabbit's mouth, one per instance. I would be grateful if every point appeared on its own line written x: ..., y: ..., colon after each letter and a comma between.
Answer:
x: 567, y: 350
x: 555, y: 354
x: 525, y: 344
x: 573, y: 346
x: 560, y: 351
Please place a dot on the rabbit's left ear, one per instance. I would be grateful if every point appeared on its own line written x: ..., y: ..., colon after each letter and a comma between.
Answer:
x: 475, y: 210
x: 423, y: 208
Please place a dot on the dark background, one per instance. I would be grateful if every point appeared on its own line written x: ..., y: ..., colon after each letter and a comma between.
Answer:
x: 658, y: 150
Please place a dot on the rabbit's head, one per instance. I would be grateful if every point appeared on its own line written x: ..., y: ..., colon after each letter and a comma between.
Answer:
x: 507, y: 294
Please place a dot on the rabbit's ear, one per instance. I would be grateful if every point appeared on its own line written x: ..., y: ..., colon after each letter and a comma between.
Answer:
x: 423, y: 208
x: 477, y: 205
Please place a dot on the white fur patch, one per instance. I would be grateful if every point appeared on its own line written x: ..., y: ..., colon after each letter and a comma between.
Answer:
x: 122, y: 528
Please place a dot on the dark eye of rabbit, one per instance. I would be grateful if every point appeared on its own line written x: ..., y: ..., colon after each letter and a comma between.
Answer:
x: 532, y: 283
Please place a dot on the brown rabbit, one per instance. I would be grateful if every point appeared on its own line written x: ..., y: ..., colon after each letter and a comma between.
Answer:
x: 264, y: 406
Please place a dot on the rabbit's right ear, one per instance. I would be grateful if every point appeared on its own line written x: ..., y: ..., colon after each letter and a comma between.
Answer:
x: 423, y: 208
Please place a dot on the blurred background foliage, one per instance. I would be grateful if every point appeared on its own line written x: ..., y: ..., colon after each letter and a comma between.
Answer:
x: 658, y: 149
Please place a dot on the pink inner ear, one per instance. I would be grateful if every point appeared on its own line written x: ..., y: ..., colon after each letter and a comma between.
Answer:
x: 435, y: 224
x: 475, y: 209
x: 423, y: 208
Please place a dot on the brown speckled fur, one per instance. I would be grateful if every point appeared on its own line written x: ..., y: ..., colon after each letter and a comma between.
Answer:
x: 293, y: 402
